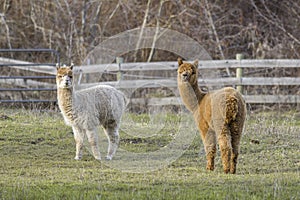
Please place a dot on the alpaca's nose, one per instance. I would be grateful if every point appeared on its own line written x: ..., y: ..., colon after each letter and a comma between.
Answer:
x: 67, y: 80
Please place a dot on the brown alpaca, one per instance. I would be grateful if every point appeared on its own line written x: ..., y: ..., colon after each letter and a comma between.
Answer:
x: 219, y: 115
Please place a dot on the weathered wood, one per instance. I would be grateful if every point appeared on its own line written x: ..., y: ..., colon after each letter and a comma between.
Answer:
x: 127, y: 84
x: 47, y: 69
x: 141, y: 66
x: 248, y: 98
x: 239, y: 72
x: 207, y: 64
x: 27, y: 83
x: 272, y: 99
x: 126, y: 67
x: 270, y: 81
x: 172, y: 82
x: 267, y: 63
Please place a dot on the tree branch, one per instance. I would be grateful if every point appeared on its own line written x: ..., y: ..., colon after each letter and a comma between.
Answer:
x: 211, y: 22
x: 277, y: 24
x: 142, y: 30
x: 156, y: 31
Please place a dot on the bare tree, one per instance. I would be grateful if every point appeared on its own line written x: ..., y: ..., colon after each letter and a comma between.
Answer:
x: 224, y: 28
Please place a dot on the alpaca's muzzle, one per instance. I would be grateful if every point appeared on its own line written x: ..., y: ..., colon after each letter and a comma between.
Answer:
x: 185, y: 77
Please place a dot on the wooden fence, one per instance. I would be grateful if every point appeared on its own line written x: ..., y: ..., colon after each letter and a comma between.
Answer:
x: 132, y: 76
x: 215, y: 79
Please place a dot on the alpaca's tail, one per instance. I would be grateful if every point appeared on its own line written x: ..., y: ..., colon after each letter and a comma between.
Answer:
x: 232, y: 108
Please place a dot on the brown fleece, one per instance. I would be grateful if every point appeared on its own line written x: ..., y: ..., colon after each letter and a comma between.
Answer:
x: 220, y: 116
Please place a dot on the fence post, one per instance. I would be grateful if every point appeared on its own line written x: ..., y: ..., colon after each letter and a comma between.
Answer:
x: 87, y: 76
x: 119, y: 61
x: 239, y: 72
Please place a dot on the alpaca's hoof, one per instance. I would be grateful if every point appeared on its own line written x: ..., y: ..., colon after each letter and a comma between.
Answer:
x: 77, y: 157
x: 97, y: 157
x: 108, y: 157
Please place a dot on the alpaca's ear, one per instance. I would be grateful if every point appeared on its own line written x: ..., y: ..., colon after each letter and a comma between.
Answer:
x: 57, y: 66
x: 196, y: 63
x: 180, y: 62
x: 72, y: 65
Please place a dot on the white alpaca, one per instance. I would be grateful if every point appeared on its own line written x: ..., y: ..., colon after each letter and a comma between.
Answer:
x: 86, y: 109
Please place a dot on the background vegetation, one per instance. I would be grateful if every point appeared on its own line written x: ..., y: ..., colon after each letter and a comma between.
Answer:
x: 256, y: 28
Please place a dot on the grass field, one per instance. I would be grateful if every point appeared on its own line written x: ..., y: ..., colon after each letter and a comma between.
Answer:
x: 37, y: 151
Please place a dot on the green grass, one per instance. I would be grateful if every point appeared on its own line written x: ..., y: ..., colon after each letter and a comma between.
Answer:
x: 37, y: 151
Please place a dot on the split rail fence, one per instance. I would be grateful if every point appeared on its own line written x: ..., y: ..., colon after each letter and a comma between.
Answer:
x: 215, y: 79
x: 132, y: 76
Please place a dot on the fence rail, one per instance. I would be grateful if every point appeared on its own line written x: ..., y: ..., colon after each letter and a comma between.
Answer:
x: 205, y: 64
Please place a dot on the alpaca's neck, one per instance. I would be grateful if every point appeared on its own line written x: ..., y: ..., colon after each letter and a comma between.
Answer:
x: 65, y: 102
x: 191, y: 95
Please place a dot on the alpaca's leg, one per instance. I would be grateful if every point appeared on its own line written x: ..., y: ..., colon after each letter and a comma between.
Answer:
x: 93, y: 140
x: 78, y: 136
x: 113, y: 140
x: 208, y: 137
x: 224, y: 140
x: 210, y: 149
x: 236, y: 133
